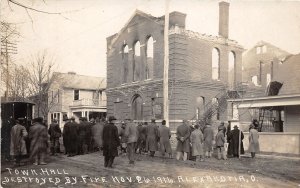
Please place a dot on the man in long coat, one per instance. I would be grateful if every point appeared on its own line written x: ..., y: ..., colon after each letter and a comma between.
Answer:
x: 220, y: 141
x: 164, y: 135
x: 121, y: 133
x: 197, y: 143
x: 88, y: 136
x: 208, y: 134
x: 152, y: 135
x: 17, y: 144
x: 82, y: 136
x: 132, y: 134
x: 110, y: 142
x: 142, y: 138
x: 55, y: 132
x: 70, y: 136
x: 183, y: 141
x: 97, y: 132
x: 253, y: 140
x: 234, y: 138
x: 39, y: 141
x: 66, y: 140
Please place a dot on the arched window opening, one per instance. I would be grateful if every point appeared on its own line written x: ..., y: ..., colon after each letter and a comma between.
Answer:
x: 125, y: 63
x: 215, y: 106
x: 149, y: 58
x: 136, y: 59
x: 215, y: 64
x: 137, y: 108
x: 231, y: 70
x: 200, y: 107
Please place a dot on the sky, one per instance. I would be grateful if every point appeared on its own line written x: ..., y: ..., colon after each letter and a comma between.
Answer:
x: 77, y: 37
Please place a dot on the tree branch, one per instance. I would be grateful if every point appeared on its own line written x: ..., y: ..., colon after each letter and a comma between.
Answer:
x: 33, y: 9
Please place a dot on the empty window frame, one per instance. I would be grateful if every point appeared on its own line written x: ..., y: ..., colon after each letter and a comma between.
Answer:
x: 231, y: 69
x: 215, y: 64
x: 125, y: 63
x: 149, y: 58
x: 136, y: 60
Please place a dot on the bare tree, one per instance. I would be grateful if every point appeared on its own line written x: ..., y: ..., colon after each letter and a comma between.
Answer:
x: 18, y: 83
x: 41, y: 78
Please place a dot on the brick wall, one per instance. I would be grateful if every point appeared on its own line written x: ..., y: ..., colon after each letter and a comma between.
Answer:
x: 190, y: 71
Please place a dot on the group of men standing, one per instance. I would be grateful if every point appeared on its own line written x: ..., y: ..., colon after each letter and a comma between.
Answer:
x: 199, y: 141
x: 135, y: 138
x: 83, y: 137
x: 36, y: 136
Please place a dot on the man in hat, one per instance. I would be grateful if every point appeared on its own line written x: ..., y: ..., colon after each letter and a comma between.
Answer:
x: 39, y: 141
x: 222, y: 126
x: 55, y: 132
x: 208, y: 135
x: 197, y: 143
x: 142, y: 138
x: 164, y: 135
x: 82, y: 136
x: 17, y: 144
x: 131, y: 132
x: 110, y: 142
x: 183, y: 141
x: 70, y: 136
x: 97, y: 132
x: 235, y: 138
x: 253, y: 140
x: 220, y: 140
x: 152, y: 135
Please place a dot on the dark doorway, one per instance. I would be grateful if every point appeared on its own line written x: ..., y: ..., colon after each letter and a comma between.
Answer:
x: 137, y: 108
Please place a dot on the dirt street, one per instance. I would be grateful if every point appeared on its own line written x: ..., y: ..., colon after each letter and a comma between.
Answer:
x: 88, y: 171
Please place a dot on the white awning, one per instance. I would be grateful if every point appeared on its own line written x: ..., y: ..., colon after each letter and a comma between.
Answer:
x: 269, y: 101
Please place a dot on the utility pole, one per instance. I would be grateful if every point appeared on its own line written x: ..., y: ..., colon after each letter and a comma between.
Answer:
x: 7, y: 47
x: 166, y: 65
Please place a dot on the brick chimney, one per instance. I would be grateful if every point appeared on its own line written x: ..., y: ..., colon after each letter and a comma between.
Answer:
x: 223, y: 19
x: 177, y: 18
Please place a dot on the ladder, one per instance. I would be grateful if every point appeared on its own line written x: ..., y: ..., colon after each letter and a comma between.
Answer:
x: 261, y: 117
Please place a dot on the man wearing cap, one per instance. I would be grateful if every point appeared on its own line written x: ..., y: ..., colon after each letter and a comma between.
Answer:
x: 110, y: 142
x: 54, y: 132
x: 17, y: 144
x: 152, y: 135
x: 131, y: 132
x: 39, y: 141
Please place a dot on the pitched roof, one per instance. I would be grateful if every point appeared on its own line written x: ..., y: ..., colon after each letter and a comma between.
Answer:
x: 76, y: 81
x: 289, y: 75
x: 278, y: 52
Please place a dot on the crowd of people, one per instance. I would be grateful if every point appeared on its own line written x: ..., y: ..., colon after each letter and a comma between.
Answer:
x: 194, y: 142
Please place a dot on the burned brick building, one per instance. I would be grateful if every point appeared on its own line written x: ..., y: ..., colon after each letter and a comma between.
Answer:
x: 202, y: 68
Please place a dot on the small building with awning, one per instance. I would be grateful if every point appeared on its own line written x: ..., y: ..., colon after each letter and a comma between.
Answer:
x: 278, y: 113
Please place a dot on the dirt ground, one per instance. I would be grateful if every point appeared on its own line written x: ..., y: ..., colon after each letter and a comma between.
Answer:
x: 88, y: 171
